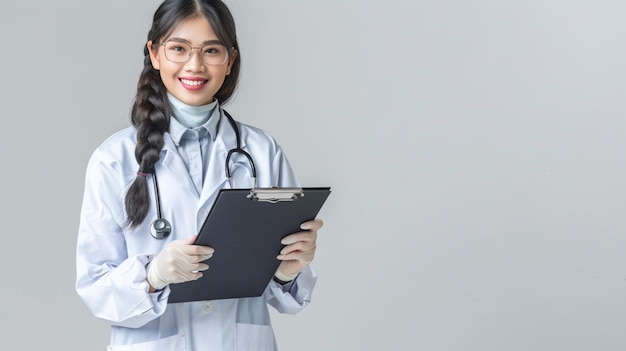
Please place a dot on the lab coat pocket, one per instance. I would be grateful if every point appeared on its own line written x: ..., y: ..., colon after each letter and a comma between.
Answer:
x: 171, y: 343
x: 255, y: 337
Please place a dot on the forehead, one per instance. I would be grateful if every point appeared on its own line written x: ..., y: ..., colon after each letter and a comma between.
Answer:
x: 195, y: 29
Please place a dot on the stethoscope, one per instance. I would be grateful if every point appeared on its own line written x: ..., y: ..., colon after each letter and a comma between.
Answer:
x: 161, y: 228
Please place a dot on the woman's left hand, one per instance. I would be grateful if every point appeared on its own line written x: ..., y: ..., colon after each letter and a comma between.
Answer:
x: 299, y: 250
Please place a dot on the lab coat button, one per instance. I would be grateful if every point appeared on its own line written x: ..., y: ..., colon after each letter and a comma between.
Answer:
x: 208, y: 307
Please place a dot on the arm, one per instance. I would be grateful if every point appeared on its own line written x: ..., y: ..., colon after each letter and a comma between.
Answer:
x: 112, y: 285
x: 292, y: 296
x: 292, y: 288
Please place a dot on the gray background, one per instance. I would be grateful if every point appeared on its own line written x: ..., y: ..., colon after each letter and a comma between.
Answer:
x: 475, y: 150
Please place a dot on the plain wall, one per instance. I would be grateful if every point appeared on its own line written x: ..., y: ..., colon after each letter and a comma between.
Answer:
x: 475, y: 150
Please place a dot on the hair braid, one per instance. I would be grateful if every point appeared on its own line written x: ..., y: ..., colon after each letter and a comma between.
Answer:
x: 151, y: 110
x: 151, y: 117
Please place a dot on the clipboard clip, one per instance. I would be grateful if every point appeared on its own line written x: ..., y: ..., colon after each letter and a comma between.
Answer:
x: 275, y: 194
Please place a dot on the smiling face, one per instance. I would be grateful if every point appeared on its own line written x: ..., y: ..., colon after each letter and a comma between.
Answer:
x: 193, y: 82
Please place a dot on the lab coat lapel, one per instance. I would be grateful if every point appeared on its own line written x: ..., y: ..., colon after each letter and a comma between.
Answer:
x: 174, y: 163
x: 215, y: 177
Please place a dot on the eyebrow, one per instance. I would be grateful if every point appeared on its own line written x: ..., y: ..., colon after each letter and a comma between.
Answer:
x: 206, y: 42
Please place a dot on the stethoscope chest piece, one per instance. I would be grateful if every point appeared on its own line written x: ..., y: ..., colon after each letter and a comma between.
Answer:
x: 160, y: 228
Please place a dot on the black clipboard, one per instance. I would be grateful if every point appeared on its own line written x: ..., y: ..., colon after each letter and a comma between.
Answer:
x: 245, y: 227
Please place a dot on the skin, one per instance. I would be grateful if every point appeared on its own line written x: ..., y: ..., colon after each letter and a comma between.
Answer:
x: 196, y: 31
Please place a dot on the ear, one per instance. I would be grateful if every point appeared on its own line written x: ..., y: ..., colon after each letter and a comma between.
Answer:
x: 154, y: 57
x: 231, y: 60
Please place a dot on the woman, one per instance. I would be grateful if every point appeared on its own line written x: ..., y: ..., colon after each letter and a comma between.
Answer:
x: 181, y: 134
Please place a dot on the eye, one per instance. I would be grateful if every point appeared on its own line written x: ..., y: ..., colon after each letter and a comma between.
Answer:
x: 214, y: 50
x: 177, y: 48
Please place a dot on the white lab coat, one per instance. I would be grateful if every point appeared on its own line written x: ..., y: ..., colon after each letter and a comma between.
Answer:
x: 111, y: 258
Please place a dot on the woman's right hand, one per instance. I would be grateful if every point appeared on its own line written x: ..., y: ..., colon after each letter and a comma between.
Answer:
x: 178, y: 262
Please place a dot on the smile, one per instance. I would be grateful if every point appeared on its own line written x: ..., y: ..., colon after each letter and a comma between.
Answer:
x: 193, y: 83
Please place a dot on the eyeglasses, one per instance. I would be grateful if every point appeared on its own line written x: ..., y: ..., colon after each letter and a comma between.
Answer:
x: 180, y: 52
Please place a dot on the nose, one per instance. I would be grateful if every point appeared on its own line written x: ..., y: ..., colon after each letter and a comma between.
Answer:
x: 195, y: 62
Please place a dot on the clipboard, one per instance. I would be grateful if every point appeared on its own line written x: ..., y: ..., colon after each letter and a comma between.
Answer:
x: 245, y: 227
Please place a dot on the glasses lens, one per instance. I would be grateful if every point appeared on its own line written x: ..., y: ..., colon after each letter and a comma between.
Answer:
x: 177, y: 52
x: 214, y: 54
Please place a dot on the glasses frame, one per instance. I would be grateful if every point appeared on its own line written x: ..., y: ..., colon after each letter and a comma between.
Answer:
x: 228, y: 52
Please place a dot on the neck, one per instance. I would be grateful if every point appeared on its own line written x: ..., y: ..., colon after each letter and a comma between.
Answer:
x: 191, y: 116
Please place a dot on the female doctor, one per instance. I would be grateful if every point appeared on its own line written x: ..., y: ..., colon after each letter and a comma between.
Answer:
x: 149, y: 187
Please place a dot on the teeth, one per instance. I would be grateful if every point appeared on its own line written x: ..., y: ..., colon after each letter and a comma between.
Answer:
x: 193, y: 82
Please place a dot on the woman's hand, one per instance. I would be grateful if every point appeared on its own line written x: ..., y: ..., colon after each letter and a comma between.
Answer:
x: 299, y: 250
x: 178, y: 262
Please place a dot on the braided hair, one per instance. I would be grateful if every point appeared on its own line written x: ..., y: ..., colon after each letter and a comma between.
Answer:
x: 151, y: 110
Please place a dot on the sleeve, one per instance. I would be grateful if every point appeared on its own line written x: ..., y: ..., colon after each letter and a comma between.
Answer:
x: 111, y: 284
x: 294, y: 296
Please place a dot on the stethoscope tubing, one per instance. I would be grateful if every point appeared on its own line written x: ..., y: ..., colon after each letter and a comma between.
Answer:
x: 161, y: 228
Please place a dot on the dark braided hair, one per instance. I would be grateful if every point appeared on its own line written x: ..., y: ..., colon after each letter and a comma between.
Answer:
x: 151, y: 110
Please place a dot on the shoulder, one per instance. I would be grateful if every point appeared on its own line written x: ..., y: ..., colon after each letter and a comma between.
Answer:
x: 257, y: 137
x: 117, y: 151
x: 125, y: 137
